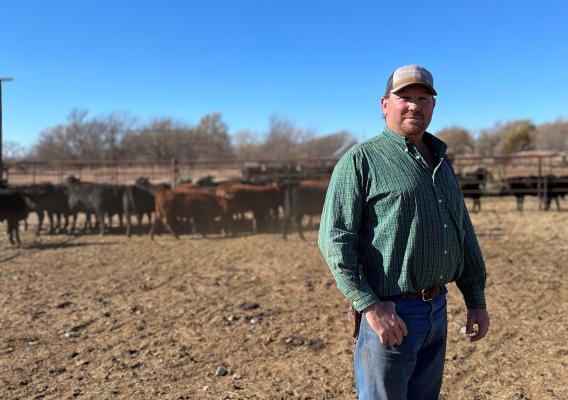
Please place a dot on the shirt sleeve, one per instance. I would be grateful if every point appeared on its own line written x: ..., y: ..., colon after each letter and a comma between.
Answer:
x: 339, y: 230
x: 472, y: 280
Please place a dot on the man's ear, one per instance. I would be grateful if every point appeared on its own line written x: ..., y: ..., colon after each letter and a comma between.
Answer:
x: 384, y: 104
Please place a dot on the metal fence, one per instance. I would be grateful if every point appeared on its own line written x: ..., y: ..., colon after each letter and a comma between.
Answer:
x: 170, y: 171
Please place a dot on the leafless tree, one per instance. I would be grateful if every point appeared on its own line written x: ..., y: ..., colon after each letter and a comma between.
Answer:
x: 552, y: 136
x: 458, y: 139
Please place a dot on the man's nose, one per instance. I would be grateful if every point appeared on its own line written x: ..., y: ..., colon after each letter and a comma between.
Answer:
x: 413, y: 104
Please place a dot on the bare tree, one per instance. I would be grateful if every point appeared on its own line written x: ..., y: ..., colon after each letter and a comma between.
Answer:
x: 12, y: 151
x: 488, y: 141
x: 459, y: 140
x: 517, y: 136
x: 82, y: 138
x: 552, y: 136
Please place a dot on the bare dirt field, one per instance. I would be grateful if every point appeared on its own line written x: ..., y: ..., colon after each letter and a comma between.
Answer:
x: 256, y: 317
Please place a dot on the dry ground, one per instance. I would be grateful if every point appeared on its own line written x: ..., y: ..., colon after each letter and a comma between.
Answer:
x: 106, y: 317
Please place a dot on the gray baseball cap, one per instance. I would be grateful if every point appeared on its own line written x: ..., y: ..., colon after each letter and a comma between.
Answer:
x: 411, y: 74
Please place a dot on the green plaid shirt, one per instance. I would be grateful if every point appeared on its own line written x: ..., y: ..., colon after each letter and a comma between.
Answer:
x: 390, y: 225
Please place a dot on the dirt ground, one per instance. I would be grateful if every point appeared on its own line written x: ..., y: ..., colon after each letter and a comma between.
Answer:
x: 257, y: 317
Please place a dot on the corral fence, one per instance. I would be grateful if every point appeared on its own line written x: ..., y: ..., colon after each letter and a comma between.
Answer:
x: 535, y: 166
x: 166, y: 171
x: 536, y: 169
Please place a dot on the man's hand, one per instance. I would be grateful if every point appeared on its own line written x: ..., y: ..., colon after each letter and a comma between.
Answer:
x: 384, y: 320
x: 477, y: 324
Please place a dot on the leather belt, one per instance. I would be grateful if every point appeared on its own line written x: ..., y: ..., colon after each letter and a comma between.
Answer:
x: 425, y: 294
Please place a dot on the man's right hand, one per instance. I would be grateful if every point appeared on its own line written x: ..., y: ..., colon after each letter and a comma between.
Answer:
x: 384, y: 320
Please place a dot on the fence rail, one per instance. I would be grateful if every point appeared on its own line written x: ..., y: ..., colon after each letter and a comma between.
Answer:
x: 171, y: 170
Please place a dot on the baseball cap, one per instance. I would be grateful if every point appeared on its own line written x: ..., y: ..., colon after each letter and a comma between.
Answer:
x: 411, y: 74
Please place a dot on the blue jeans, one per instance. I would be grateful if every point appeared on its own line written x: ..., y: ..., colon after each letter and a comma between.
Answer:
x: 412, y: 370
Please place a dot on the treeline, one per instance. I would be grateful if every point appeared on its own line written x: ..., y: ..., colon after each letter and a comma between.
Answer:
x: 119, y: 137
x: 507, y: 138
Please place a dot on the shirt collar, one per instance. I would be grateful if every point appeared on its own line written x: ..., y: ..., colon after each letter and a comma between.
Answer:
x: 432, y: 141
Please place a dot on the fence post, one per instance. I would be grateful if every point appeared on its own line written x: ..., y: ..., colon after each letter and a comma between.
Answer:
x: 174, y: 172
x: 541, y: 189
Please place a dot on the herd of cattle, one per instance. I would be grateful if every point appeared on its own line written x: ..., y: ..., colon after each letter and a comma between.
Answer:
x: 547, y: 188
x: 203, y: 207
x: 206, y: 207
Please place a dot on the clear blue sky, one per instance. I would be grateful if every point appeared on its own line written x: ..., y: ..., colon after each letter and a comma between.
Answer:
x: 322, y: 64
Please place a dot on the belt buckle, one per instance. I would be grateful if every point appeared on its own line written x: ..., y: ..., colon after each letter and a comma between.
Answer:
x: 428, y: 294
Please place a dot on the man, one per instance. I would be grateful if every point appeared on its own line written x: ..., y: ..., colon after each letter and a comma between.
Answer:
x: 394, y: 231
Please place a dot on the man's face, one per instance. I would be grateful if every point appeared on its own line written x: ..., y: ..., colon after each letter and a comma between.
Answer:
x: 408, y: 112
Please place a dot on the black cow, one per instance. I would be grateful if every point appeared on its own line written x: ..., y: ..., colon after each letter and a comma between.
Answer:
x: 520, y: 186
x: 302, y: 199
x: 138, y: 201
x: 50, y: 200
x: 553, y: 188
x: 89, y: 198
x: 472, y: 185
x: 14, y: 207
x: 114, y: 204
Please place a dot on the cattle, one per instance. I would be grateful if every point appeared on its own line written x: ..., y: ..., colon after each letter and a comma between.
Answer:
x: 264, y: 201
x: 90, y: 198
x: 51, y: 201
x: 520, y: 186
x: 303, y: 198
x: 14, y: 207
x: 472, y: 185
x: 548, y: 188
x: 553, y: 188
x: 172, y: 205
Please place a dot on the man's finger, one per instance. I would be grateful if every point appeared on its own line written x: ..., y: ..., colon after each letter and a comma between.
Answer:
x: 482, y: 329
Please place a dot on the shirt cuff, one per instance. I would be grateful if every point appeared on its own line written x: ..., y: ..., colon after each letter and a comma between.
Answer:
x: 365, y: 301
x: 475, y: 299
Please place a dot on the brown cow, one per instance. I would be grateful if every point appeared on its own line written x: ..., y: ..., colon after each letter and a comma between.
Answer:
x: 261, y: 200
x: 171, y: 204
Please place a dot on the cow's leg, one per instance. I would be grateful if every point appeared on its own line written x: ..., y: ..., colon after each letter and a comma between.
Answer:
x: 100, y: 215
x: 299, y: 218
x: 40, y: 217
x: 153, y: 226
x: 9, y: 231
x: 476, y: 204
x: 87, y: 222
x: 285, y: 223
x: 168, y: 221
x: 127, y: 216
x: 12, y: 227
x: 64, y: 228
x: 73, y: 222
x: 51, y: 222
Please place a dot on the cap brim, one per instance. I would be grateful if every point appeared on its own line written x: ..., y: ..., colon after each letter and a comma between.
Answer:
x: 405, y: 84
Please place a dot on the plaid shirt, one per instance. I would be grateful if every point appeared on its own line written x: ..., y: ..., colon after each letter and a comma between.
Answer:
x: 391, y: 225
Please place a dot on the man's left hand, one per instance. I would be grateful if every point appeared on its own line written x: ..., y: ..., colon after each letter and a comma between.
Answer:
x: 477, y: 324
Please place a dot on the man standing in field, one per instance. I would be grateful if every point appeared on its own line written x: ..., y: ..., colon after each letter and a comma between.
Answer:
x: 394, y: 231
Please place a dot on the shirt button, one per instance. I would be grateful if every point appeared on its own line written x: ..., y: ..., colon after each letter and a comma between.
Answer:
x: 439, y: 200
x: 445, y: 251
x: 418, y: 157
x: 406, y: 150
x: 445, y: 225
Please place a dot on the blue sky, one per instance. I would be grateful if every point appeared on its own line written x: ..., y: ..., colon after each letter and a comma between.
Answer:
x: 322, y: 64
